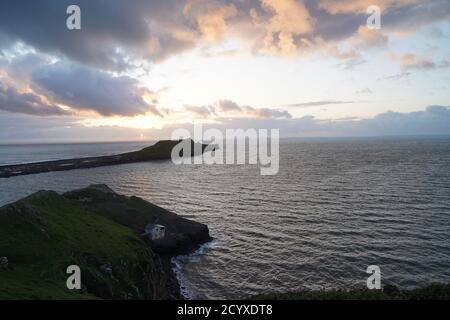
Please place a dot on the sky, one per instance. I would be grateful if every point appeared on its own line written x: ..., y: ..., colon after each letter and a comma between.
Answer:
x: 139, y: 69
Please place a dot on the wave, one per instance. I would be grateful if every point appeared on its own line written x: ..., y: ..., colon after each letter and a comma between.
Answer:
x: 178, y: 264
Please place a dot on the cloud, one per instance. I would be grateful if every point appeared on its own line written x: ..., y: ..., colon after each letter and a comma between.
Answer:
x: 226, y: 108
x: 407, y: 18
x: 16, y: 128
x: 318, y: 103
x: 434, y: 120
x: 398, y: 76
x: 12, y: 100
x: 200, y: 111
x: 364, y: 91
x: 369, y: 38
x: 287, y: 27
x: 119, y: 35
x: 410, y: 61
x: 352, y: 6
x: 212, y: 23
x: 230, y: 107
x: 83, y: 88
x: 114, y: 34
x: 265, y: 113
x: 351, y: 64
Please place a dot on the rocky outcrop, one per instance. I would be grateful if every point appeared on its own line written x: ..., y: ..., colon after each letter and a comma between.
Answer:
x: 160, y: 151
x: 182, y: 236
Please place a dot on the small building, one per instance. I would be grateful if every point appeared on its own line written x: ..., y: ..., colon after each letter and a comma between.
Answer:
x: 155, y: 231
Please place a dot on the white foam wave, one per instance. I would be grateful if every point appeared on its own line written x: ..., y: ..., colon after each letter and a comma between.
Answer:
x: 178, y: 264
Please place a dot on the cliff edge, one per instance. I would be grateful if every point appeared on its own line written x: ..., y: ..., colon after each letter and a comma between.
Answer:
x: 97, y: 230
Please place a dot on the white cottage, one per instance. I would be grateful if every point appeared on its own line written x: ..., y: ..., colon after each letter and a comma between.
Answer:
x: 155, y: 231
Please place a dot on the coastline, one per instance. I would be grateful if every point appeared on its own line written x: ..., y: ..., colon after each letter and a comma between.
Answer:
x: 162, y: 150
x: 176, y: 269
x: 44, y: 231
x: 159, y: 275
x: 202, y: 208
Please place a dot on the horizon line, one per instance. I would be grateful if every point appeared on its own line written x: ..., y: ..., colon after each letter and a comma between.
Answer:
x: 49, y: 142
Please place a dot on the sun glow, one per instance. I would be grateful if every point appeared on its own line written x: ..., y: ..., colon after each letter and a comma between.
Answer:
x: 138, y: 122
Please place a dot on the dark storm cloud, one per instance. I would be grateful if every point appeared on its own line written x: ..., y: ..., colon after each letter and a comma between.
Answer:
x: 112, y: 31
x: 406, y: 16
x: 12, y: 100
x: 82, y: 88
x: 411, y: 17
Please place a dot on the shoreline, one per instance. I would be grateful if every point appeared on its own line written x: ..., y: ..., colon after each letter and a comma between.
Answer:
x: 101, y: 232
x: 177, y: 271
x: 159, y: 276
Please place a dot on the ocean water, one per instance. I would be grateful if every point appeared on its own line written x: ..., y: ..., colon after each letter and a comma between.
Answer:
x: 335, y: 207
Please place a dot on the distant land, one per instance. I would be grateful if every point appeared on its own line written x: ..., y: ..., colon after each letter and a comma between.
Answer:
x: 160, y: 151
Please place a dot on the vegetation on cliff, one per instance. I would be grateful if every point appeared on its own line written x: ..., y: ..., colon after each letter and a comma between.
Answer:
x: 182, y: 235
x: 44, y: 233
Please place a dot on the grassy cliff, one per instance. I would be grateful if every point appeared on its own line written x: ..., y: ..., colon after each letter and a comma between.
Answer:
x: 182, y: 235
x: 45, y: 233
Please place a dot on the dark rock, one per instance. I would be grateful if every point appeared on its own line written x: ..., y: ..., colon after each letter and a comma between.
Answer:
x: 182, y: 236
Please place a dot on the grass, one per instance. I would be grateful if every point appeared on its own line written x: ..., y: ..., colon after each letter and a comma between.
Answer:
x: 43, y: 234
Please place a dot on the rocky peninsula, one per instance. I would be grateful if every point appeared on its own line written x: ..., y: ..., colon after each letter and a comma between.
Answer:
x: 160, y: 151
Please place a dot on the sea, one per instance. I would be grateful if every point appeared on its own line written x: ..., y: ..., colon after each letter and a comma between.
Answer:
x: 335, y: 207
